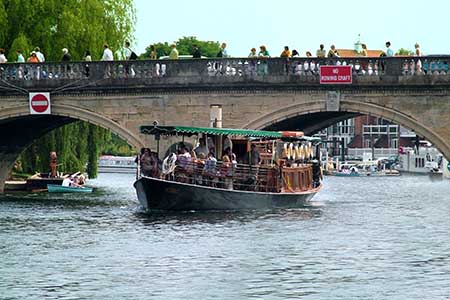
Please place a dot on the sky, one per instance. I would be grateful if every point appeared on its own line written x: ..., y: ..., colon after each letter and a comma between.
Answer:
x: 301, y: 25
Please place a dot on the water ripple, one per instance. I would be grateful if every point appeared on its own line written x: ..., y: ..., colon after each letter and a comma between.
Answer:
x: 362, y: 238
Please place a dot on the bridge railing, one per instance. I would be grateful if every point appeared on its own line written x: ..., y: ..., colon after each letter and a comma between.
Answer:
x: 222, y: 67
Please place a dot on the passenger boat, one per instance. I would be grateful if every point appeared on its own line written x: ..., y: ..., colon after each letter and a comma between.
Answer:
x: 55, y: 188
x: 287, y: 177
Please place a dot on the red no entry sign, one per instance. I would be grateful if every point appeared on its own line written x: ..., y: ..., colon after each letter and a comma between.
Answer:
x: 40, y: 103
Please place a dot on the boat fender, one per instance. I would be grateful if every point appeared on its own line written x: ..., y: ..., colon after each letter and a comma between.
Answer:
x: 302, y: 152
x: 285, y: 151
x: 310, y: 150
x: 291, y: 151
x: 298, y: 151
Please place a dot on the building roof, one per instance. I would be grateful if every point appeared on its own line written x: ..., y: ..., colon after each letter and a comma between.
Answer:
x: 353, y: 53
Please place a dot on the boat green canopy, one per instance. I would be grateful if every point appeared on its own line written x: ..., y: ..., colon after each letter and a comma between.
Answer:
x: 189, y: 131
x: 185, y: 130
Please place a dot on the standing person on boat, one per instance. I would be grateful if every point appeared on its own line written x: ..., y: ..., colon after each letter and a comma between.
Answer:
x: 154, y: 162
x: 210, y: 169
x: 201, y: 148
x: 253, y: 156
x: 227, y: 169
x: 53, y: 164
x: 146, y: 162
x: 316, y: 173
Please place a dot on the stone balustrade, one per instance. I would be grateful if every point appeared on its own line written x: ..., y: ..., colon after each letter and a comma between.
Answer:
x: 28, y: 76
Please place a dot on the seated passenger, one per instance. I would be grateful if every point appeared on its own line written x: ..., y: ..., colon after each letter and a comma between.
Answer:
x: 184, y: 158
x: 184, y: 163
x: 81, y: 180
x: 77, y: 182
x: 67, y: 181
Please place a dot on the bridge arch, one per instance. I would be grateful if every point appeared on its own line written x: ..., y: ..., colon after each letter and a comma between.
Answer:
x: 351, y: 106
x: 79, y: 114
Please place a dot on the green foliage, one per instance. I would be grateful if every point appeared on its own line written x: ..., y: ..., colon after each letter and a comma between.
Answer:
x: 3, y: 24
x: 55, y: 24
x: 185, y: 46
x: 22, y: 43
x: 403, y: 51
x: 77, y: 145
x: 117, y: 146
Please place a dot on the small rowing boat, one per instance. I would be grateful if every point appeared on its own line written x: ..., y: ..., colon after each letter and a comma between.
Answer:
x: 54, y: 188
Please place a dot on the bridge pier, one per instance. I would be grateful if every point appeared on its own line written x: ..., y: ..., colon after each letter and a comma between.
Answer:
x: 6, y: 163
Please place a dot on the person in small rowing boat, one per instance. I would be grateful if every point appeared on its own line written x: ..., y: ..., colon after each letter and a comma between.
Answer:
x: 74, y: 181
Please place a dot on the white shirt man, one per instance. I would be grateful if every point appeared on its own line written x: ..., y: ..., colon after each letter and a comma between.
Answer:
x: 67, y: 181
x: 107, y: 54
x: 3, y: 59
x: 39, y: 54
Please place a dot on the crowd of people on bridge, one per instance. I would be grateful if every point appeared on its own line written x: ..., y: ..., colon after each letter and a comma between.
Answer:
x: 126, y: 53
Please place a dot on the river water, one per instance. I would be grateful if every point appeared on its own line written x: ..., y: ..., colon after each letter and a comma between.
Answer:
x: 362, y: 238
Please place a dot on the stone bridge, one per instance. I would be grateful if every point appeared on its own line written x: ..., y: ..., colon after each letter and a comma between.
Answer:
x: 274, y: 93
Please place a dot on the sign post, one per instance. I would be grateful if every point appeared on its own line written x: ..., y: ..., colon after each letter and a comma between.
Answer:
x: 40, y: 103
x: 336, y: 75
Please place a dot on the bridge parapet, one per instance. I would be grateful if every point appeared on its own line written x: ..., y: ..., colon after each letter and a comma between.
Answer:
x: 56, y: 77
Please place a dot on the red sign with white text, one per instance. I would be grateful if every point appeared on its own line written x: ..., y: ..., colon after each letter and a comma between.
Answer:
x: 335, y: 74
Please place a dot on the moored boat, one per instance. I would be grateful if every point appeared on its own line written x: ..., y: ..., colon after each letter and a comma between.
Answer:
x: 424, y: 160
x: 286, y: 177
x: 446, y: 168
x: 55, y: 188
x: 40, y: 181
x: 116, y: 164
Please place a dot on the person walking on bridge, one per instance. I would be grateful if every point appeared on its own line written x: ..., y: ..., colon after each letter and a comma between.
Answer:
x: 263, y: 68
x: 2, y: 56
x: 39, y: 54
x: 107, y: 53
x: 174, y: 52
x: 389, y: 51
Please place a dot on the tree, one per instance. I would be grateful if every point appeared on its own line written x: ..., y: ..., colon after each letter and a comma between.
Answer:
x: 55, y: 24
x: 185, y: 46
x: 78, y: 25
x: 404, y: 52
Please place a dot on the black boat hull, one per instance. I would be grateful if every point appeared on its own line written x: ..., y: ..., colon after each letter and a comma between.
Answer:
x: 160, y: 194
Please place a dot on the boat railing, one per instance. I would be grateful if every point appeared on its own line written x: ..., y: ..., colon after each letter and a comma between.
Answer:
x: 261, y: 178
